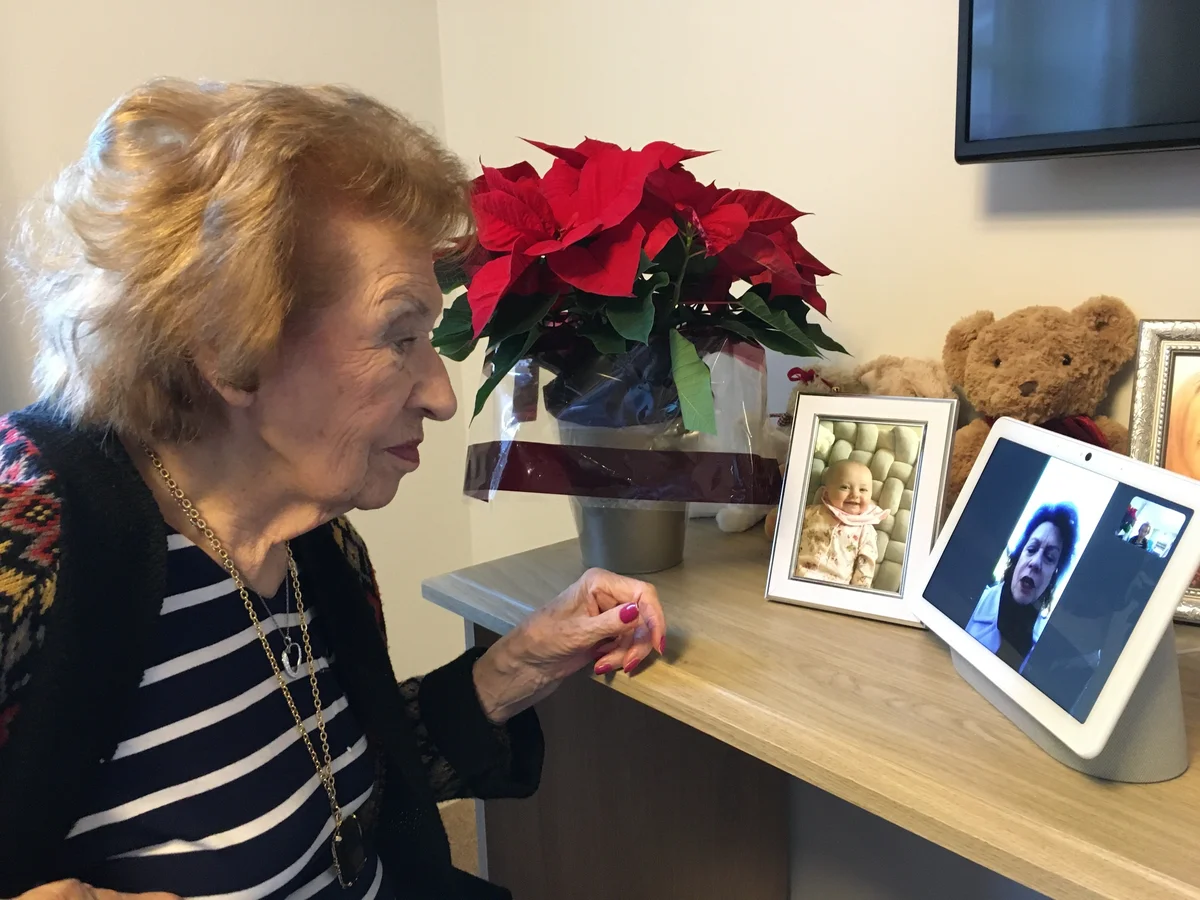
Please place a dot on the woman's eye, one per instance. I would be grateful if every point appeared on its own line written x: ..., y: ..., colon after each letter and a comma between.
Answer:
x: 405, y: 343
x: 1066, y: 359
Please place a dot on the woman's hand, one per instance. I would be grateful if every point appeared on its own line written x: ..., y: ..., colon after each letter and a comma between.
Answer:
x: 76, y: 890
x: 604, y: 620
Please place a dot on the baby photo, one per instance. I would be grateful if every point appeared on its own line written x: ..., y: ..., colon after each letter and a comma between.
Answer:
x: 859, y: 499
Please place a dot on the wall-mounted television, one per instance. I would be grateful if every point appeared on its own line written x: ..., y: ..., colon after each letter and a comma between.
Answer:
x: 1043, y: 78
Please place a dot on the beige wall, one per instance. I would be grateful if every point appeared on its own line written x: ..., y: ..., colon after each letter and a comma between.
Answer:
x: 62, y: 63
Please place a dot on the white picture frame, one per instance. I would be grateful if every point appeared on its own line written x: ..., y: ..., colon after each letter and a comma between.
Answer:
x: 1085, y: 738
x: 903, y: 539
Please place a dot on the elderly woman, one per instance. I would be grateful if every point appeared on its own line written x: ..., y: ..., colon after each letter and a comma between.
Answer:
x: 1007, y: 616
x: 235, y: 291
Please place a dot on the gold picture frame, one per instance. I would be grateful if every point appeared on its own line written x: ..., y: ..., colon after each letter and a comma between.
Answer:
x: 1166, y: 383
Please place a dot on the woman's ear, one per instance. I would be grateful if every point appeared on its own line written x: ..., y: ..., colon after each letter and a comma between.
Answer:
x: 237, y: 396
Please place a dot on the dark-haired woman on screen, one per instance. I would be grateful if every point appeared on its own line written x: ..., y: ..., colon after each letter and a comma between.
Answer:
x: 1005, y: 618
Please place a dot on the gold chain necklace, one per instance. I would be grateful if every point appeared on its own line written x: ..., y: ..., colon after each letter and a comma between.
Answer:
x: 347, y: 845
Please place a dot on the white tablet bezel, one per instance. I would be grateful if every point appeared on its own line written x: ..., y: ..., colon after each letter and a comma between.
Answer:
x: 936, y: 416
x: 1086, y: 739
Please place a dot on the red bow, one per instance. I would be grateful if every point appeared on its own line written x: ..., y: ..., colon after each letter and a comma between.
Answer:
x: 1082, y: 428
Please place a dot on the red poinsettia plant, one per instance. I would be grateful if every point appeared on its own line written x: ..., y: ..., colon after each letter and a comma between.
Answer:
x: 615, y: 248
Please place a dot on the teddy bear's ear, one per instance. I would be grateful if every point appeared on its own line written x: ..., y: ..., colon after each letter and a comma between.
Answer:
x: 1114, y: 323
x: 959, y: 340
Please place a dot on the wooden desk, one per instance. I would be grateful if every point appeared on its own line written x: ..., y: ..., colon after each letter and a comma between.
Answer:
x: 869, y: 712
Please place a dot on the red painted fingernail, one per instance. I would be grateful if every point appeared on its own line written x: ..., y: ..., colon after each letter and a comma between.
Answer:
x: 604, y: 669
x: 631, y: 666
x: 629, y: 612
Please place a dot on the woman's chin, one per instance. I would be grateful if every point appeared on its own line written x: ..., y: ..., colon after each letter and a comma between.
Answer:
x: 379, y: 491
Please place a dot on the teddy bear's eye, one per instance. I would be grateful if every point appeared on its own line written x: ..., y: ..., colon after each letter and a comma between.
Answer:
x: 996, y: 362
x: 1066, y: 359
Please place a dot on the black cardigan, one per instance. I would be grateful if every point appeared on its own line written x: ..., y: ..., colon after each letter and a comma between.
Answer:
x: 82, y: 576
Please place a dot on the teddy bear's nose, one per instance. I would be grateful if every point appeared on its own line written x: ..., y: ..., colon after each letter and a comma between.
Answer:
x: 1027, y: 388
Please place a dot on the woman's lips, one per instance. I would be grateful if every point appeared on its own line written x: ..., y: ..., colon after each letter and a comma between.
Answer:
x: 1027, y: 583
x: 410, y: 452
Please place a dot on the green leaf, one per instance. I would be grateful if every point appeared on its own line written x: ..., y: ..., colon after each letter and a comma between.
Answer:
x: 795, y: 307
x: 591, y: 303
x: 822, y: 340
x: 633, y: 317
x: 693, y: 381
x: 458, y: 352
x: 670, y: 258
x: 797, y: 310
x: 450, y: 273
x: 754, y: 330
x: 604, y: 338
x: 516, y: 315
x: 779, y: 320
x: 700, y: 267
x: 506, y: 354
x: 455, y: 325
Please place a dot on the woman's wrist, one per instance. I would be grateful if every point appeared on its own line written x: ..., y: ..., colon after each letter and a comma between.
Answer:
x: 504, y: 685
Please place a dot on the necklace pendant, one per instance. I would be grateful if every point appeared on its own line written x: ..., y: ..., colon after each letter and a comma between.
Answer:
x: 290, y: 659
x: 349, y: 851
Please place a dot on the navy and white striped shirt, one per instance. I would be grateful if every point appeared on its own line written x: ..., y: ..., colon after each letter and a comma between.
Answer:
x: 211, y: 793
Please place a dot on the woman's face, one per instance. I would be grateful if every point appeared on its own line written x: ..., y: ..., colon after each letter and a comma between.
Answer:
x: 1144, y: 531
x: 344, y: 403
x: 1036, y: 564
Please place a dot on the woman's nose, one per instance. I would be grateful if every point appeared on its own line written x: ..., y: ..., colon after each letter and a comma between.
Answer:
x: 434, y: 393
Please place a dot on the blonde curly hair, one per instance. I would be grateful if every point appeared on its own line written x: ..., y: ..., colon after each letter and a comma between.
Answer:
x: 178, y: 232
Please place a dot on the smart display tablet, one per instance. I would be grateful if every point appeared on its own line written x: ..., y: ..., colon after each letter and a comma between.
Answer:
x: 1057, y: 573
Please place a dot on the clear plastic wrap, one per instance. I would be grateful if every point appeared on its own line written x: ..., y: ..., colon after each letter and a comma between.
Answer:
x: 611, y: 433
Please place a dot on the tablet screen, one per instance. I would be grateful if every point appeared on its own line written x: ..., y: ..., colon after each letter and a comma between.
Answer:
x: 1050, y: 566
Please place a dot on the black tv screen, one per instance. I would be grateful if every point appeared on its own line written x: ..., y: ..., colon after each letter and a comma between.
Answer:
x: 1072, y: 77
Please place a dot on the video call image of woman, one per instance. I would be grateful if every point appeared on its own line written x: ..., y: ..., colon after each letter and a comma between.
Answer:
x: 1011, y: 612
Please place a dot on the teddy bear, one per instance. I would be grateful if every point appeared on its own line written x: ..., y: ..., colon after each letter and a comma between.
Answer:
x: 1041, y: 364
x: 884, y: 376
x: 904, y: 376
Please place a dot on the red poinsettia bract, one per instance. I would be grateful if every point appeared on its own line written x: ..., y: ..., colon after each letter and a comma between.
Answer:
x: 599, y: 207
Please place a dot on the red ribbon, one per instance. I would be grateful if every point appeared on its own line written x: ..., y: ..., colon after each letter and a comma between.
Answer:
x: 678, y: 476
